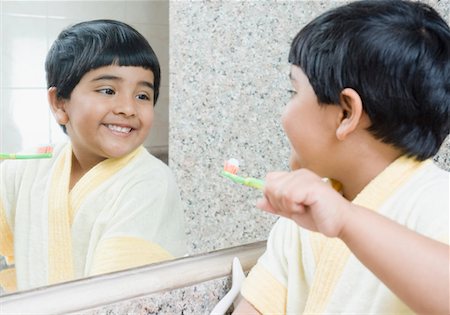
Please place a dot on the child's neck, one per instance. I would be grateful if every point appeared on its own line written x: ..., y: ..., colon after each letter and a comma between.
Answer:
x: 75, y: 175
x: 364, y: 168
x: 79, y: 168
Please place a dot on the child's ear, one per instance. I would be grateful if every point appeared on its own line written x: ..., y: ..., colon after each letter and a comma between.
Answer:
x: 57, y: 105
x: 351, y: 106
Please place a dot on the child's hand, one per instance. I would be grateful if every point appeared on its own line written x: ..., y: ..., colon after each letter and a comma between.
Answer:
x: 305, y: 198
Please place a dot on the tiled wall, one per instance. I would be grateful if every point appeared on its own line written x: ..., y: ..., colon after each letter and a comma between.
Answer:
x: 28, y: 28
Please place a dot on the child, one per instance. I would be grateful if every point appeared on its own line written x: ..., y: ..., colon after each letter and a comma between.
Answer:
x: 370, y: 107
x: 102, y: 203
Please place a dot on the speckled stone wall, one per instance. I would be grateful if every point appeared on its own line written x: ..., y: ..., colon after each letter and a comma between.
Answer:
x: 228, y: 86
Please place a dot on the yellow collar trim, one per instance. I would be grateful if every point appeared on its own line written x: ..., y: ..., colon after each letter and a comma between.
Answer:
x: 60, y: 262
x: 387, y: 182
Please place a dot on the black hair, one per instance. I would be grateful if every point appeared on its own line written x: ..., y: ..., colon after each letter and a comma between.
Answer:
x: 396, y: 55
x: 93, y: 44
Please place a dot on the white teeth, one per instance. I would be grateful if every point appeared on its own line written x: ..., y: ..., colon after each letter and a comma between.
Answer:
x: 119, y: 129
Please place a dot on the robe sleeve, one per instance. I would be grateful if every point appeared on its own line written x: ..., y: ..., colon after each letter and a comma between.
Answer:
x: 8, y: 275
x: 147, y: 227
x: 277, y: 270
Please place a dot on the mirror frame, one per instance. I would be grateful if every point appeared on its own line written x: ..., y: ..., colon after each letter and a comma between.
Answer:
x: 89, y: 293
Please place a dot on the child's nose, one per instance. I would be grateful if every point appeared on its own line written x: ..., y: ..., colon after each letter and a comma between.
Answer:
x: 125, y: 106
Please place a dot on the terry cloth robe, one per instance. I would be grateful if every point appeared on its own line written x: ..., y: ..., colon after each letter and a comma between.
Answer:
x: 303, y: 272
x: 123, y: 213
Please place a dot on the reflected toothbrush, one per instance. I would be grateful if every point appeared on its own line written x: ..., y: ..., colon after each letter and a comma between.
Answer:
x: 230, y: 170
x: 44, y: 152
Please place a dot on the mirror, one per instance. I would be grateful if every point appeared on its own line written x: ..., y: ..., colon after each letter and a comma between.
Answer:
x: 28, y: 29
x: 228, y: 85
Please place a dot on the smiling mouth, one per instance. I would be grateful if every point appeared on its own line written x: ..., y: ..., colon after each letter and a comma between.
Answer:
x: 119, y: 128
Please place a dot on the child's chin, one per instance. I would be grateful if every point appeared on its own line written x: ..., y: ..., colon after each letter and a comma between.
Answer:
x: 294, y: 165
x: 119, y: 153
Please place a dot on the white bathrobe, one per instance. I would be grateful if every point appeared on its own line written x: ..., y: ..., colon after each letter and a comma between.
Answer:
x: 303, y: 272
x: 123, y: 213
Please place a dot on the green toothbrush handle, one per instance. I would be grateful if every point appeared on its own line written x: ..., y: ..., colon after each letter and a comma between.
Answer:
x: 254, y: 182
x: 13, y: 156
x: 247, y: 181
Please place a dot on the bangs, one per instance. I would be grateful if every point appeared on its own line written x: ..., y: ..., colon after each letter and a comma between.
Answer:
x: 313, y: 52
x: 127, y: 54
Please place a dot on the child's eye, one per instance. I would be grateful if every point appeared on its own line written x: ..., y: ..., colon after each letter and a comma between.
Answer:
x: 107, y: 91
x: 292, y: 92
x: 143, y: 97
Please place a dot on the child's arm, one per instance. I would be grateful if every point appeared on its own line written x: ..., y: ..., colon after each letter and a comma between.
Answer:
x: 414, y: 267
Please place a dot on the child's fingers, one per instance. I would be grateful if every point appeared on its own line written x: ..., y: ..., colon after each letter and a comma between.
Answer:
x: 291, y: 197
x: 305, y: 198
x: 272, y: 176
x: 283, y: 195
x: 264, y: 204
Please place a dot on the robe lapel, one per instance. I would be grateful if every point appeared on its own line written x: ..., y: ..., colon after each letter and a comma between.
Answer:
x: 62, y: 206
x: 334, y: 253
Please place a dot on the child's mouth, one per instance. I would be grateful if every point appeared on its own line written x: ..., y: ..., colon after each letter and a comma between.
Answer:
x: 119, y: 128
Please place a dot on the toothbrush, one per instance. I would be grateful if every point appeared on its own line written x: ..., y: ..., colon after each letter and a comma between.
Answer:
x: 232, y: 166
x: 230, y: 169
x: 40, y: 153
